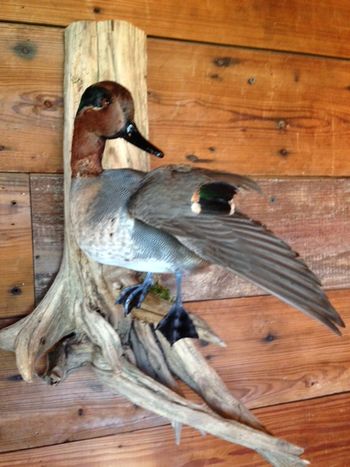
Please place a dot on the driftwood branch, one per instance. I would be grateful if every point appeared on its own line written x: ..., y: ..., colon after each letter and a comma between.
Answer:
x: 77, y: 323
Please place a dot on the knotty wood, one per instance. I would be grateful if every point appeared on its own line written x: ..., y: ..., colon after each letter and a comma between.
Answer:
x: 263, y: 113
x: 275, y: 354
x: 321, y: 28
x: 155, y: 447
x: 230, y: 108
x: 272, y: 356
x: 38, y: 414
x: 31, y: 99
x: 312, y: 215
x: 16, y: 270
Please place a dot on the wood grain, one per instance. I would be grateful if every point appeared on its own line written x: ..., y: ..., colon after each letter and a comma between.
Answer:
x: 321, y: 425
x: 321, y: 28
x: 274, y: 353
x: 256, y: 113
x: 48, y: 228
x: 273, y: 356
x: 16, y: 271
x: 31, y: 99
x: 310, y: 214
x: 37, y: 414
x: 232, y: 109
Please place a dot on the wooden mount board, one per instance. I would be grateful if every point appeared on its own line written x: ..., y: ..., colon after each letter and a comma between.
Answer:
x: 155, y: 447
x: 245, y: 111
x: 321, y: 28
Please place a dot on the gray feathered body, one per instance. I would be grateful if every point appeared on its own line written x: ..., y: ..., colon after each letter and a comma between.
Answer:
x: 146, y: 222
x: 108, y: 234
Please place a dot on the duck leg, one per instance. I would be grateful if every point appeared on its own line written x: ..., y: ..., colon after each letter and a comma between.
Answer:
x: 177, y: 324
x: 134, y: 295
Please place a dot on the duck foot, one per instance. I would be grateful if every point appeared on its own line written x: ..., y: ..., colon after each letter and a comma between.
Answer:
x: 177, y: 324
x: 133, y: 296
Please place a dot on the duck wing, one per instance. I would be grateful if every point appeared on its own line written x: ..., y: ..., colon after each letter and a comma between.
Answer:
x: 183, y: 204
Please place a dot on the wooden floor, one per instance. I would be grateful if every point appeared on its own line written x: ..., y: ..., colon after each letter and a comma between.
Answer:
x: 260, y: 88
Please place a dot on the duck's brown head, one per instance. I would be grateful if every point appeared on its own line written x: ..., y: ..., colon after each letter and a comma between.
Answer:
x: 106, y: 109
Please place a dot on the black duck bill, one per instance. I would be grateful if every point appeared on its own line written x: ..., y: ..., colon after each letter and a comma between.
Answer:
x: 131, y: 134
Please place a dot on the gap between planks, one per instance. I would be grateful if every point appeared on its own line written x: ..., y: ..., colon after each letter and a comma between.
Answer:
x: 265, y: 25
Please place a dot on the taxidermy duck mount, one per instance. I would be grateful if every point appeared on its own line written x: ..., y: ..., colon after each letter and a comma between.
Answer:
x: 78, y: 322
x: 172, y: 219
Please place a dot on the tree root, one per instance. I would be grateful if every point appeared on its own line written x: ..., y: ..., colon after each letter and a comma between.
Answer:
x: 72, y: 330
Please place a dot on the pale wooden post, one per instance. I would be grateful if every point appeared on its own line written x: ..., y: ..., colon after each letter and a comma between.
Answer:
x: 77, y: 322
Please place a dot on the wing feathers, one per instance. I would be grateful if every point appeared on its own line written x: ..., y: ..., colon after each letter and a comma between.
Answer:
x: 236, y: 242
x: 249, y: 250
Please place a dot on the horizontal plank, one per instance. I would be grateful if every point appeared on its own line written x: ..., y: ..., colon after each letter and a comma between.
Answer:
x: 320, y: 425
x: 37, y: 414
x: 322, y: 28
x: 16, y: 271
x: 31, y: 99
x: 232, y: 109
x: 273, y: 355
x: 247, y: 111
x: 284, y: 208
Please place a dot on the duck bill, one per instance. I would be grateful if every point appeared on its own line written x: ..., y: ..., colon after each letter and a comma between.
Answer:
x: 133, y: 136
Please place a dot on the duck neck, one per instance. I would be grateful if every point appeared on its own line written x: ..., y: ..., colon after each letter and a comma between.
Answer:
x: 87, y: 152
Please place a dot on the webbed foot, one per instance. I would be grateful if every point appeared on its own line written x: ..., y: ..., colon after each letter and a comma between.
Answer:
x: 177, y: 324
x: 133, y: 296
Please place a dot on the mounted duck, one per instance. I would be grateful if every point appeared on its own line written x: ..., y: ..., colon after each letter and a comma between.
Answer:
x: 173, y: 219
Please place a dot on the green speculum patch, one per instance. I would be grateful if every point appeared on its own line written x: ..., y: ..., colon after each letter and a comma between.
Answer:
x: 217, y: 191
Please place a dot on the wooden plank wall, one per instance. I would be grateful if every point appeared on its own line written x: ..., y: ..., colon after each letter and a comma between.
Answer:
x: 261, y: 88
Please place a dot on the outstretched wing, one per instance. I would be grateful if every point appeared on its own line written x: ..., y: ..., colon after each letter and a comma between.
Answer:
x: 235, y: 242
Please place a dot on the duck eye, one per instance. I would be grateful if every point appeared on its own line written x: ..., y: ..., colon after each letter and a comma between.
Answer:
x: 95, y: 98
x: 101, y: 103
x: 105, y: 102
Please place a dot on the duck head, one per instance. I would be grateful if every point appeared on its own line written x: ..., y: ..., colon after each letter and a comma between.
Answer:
x: 106, y: 111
